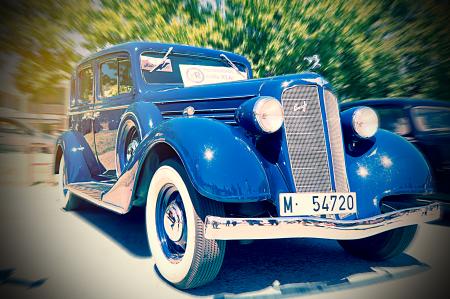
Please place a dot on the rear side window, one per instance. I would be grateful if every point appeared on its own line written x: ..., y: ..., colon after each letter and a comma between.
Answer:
x: 125, y: 84
x: 115, y: 77
x: 86, y: 86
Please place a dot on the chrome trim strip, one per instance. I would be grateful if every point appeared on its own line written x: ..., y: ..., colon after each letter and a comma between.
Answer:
x: 178, y: 112
x: 222, y: 228
x: 217, y: 116
x: 98, y: 109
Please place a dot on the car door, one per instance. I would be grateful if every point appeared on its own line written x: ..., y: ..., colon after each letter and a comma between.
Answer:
x: 113, y: 96
x: 81, y: 103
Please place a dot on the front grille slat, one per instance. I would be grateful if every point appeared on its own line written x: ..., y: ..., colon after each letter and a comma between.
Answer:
x: 306, y: 139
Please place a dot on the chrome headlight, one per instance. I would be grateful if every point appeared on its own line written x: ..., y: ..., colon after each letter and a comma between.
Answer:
x: 269, y: 114
x: 260, y: 115
x: 365, y: 122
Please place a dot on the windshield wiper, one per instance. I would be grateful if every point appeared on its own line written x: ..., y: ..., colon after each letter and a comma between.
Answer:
x: 163, y: 61
x: 230, y: 63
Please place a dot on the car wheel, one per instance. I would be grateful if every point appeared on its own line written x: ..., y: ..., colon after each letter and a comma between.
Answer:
x: 67, y: 200
x: 175, y: 215
x: 131, y: 143
x: 382, y: 246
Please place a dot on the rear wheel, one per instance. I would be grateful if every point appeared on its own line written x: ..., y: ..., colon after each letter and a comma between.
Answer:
x: 175, y: 216
x: 67, y: 201
x: 382, y: 246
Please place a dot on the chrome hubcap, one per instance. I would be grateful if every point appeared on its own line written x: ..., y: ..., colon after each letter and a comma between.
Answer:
x: 173, y: 222
x: 131, y: 148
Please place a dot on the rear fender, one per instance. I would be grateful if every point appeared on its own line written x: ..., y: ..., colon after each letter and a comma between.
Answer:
x: 80, y: 161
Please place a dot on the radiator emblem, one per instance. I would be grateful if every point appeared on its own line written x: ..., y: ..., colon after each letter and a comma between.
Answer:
x: 300, y: 107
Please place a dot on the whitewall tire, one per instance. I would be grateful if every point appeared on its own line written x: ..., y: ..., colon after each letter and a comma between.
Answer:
x: 175, y: 214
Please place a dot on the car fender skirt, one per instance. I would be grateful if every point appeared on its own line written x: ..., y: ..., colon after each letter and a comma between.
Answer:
x: 219, y: 160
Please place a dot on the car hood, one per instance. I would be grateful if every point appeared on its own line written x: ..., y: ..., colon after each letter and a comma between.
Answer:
x: 272, y: 86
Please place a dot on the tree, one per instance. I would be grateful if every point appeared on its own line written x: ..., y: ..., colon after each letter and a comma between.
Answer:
x: 367, y: 48
x: 38, y: 32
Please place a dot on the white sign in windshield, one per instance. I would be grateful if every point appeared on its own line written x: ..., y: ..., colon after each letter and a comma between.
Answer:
x: 201, y: 74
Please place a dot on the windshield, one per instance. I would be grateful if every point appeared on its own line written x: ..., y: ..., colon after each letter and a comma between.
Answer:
x: 432, y: 119
x: 189, y: 70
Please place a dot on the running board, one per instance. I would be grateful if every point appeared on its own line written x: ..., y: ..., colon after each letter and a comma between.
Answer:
x: 93, y: 192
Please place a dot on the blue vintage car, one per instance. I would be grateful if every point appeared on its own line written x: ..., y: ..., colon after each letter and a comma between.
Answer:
x: 214, y: 155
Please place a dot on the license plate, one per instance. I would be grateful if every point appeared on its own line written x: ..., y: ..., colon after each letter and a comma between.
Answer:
x: 310, y: 204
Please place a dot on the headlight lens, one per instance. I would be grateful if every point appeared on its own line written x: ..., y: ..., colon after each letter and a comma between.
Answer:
x: 365, y: 122
x: 269, y: 114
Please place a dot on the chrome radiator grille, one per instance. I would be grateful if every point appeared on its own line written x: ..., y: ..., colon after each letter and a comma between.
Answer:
x: 305, y: 136
x: 335, y: 135
x: 306, y: 139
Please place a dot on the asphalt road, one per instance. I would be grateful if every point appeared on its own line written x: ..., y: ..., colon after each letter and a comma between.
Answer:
x: 93, y: 253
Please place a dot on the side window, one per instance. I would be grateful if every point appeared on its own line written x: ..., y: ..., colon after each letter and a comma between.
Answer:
x: 108, y: 79
x: 125, y: 84
x: 86, y: 86
x: 394, y: 120
x: 115, y: 77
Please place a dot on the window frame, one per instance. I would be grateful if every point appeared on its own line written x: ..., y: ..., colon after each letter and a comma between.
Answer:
x: 116, y: 57
x: 79, y: 101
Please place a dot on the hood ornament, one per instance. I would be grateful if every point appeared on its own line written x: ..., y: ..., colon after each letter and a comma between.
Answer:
x: 319, y: 81
x: 313, y: 61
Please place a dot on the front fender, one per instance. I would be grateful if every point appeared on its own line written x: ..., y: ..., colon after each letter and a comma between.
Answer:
x: 80, y: 161
x: 388, y: 165
x: 220, y: 162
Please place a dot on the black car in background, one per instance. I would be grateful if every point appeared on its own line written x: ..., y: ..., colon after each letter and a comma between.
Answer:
x: 426, y: 124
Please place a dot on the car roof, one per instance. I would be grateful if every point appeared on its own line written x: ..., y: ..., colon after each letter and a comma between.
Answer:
x: 138, y: 46
x: 400, y: 102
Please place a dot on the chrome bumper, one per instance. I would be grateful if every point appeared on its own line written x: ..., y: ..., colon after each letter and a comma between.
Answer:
x: 222, y: 228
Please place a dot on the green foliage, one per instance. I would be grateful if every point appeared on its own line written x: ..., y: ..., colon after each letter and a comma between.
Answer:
x: 38, y: 32
x: 367, y: 48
